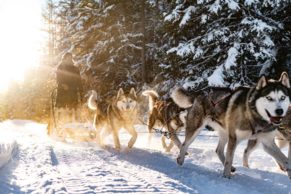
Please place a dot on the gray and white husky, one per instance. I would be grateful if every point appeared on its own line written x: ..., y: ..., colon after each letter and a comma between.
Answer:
x: 282, y: 139
x: 246, y: 113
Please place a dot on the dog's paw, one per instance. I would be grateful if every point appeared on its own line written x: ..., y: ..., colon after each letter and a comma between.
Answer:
x: 226, y: 176
x: 227, y: 173
x: 180, y: 160
x: 130, y: 145
x: 117, y: 148
x: 281, y: 168
x: 245, y: 163
x: 103, y: 146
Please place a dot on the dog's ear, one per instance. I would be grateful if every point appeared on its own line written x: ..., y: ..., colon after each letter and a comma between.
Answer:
x: 132, y: 92
x: 120, y: 92
x: 261, y: 83
x: 284, y: 79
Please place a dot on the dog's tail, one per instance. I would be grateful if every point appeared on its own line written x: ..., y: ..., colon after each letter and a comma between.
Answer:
x: 92, y: 101
x: 181, y: 98
x: 153, y: 96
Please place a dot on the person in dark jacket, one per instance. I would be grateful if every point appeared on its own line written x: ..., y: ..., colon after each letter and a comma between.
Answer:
x: 69, y: 87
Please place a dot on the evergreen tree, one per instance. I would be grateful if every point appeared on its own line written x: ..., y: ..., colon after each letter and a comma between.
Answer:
x: 226, y: 43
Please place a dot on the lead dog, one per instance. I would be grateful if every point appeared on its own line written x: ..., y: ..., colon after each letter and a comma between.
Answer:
x: 110, y: 117
x: 247, y: 113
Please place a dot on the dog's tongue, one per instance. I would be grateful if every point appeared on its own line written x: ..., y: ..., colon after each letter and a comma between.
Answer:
x: 276, y: 119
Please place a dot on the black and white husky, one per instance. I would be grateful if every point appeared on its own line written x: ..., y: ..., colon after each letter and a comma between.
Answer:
x: 246, y: 113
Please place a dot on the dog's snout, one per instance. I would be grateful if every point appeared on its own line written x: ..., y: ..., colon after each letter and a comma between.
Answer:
x: 279, y: 111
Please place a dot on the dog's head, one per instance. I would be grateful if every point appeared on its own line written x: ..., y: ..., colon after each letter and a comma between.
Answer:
x: 273, y: 99
x: 126, y: 102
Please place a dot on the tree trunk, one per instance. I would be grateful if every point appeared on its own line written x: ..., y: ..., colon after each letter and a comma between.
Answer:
x: 143, y: 51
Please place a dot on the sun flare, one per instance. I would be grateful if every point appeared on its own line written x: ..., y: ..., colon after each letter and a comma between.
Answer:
x: 20, y: 37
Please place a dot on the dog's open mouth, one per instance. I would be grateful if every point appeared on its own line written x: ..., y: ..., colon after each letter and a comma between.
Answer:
x: 275, y: 120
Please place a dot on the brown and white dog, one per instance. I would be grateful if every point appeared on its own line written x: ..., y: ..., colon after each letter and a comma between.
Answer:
x: 165, y: 114
x: 110, y: 117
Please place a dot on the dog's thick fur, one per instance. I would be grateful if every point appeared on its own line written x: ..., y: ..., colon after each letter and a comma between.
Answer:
x: 247, y: 113
x: 282, y: 139
x: 165, y: 114
x: 110, y: 117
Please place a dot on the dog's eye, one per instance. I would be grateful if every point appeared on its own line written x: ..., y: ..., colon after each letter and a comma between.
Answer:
x: 269, y: 98
x: 283, y: 98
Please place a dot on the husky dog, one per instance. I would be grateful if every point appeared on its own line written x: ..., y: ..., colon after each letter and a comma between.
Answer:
x: 282, y: 139
x: 166, y: 114
x: 120, y: 112
x: 247, y: 113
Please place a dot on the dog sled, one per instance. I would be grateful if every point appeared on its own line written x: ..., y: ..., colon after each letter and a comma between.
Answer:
x: 69, y: 125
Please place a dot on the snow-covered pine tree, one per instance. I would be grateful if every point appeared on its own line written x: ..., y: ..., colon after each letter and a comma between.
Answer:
x: 223, y: 42
x: 105, y: 37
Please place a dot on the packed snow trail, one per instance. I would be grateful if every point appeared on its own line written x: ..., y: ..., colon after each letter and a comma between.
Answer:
x: 39, y: 164
x: 106, y: 172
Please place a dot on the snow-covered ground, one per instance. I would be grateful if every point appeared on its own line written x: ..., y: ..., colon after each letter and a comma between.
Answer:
x: 34, y: 163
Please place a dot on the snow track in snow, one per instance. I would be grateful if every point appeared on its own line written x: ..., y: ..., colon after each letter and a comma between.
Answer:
x: 92, y: 170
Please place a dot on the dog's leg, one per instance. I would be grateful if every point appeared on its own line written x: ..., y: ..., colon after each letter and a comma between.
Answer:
x: 151, y: 123
x: 133, y: 134
x: 104, y: 132
x: 164, y: 144
x: 252, y: 144
x: 116, y: 139
x: 220, y: 149
x: 176, y: 140
x: 190, y: 137
x: 231, y: 146
x: 115, y: 135
x: 289, y: 154
x: 281, y: 143
x: 271, y: 148
x: 97, y: 130
x: 174, y: 137
x: 98, y: 133
x: 194, y: 124
x: 171, y: 145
